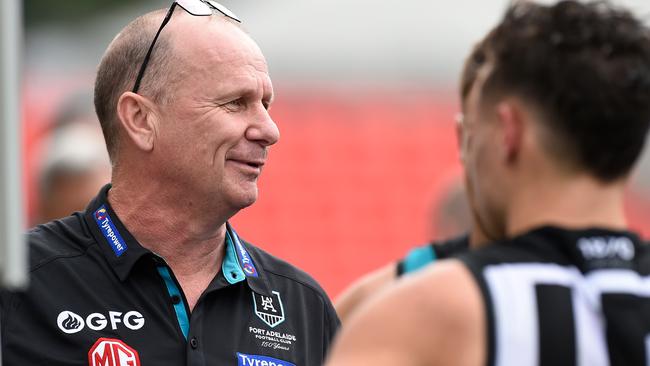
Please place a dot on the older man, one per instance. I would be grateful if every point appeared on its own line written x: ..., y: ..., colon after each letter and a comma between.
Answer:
x: 556, y: 103
x: 152, y: 273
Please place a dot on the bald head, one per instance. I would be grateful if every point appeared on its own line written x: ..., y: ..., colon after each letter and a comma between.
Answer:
x: 121, y: 62
x: 208, y: 44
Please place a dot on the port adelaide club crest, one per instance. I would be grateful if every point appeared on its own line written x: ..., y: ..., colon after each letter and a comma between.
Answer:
x: 269, y: 308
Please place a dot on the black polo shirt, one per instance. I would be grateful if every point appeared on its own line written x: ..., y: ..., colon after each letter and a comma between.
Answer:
x: 97, y: 297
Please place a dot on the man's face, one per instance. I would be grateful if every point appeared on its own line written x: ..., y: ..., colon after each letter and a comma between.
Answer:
x: 215, y: 131
x: 484, y: 174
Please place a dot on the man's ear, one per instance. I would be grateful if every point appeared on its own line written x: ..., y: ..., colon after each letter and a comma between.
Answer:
x: 510, y: 116
x: 136, y: 114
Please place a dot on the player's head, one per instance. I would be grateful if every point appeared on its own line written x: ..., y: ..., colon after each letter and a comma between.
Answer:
x: 197, y: 117
x: 560, y: 90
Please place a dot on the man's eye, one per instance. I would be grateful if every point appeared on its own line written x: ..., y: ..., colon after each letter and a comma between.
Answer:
x: 236, y: 104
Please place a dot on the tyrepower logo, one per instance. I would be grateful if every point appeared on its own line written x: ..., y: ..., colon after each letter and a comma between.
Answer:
x: 110, y: 232
x: 257, y: 360
x: 70, y: 322
x: 244, y: 258
x: 112, y: 352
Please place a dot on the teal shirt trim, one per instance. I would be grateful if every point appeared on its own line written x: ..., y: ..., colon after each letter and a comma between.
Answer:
x: 180, y: 308
x: 230, y: 267
x: 232, y: 272
x: 418, y: 258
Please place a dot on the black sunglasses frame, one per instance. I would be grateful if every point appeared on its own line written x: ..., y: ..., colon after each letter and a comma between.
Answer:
x: 168, y: 16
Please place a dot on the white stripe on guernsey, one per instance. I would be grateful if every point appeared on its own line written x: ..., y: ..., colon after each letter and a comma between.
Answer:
x: 515, y: 317
x: 512, y: 291
x: 620, y: 280
x: 591, y: 342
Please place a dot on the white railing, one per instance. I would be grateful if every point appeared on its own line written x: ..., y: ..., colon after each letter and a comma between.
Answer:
x: 13, y: 251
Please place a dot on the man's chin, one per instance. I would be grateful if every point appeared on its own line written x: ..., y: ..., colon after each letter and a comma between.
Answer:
x: 245, y: 199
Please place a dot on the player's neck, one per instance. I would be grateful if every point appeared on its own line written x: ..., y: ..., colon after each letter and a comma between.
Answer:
x: 162, y: 222
x: 568, y: 202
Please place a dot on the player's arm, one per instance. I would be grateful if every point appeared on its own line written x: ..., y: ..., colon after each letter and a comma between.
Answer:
x: 376, y: 281
x: 431, y: 318
x: 362, y: 289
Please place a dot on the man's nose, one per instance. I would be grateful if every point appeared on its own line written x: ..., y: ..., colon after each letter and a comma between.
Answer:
x: 263, y: 130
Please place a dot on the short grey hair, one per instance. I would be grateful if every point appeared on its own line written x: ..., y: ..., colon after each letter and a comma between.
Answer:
x: 119, y: 67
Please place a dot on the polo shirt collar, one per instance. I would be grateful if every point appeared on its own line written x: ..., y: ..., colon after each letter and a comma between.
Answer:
x: 241, y: 263
x: 122, y: 250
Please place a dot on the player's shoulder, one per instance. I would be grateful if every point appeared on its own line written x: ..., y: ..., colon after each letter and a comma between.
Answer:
x: 451, y: 247
x: 57, y: 240
x: 558, y: 244
x: 447, y: 301
x: 585, y: 249
x: 437, y: 287
x: 441, y: 304
x: 421, y: 256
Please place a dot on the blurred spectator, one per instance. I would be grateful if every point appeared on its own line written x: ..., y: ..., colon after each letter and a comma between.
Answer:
x: 451, y: 217
x: 74, y: 163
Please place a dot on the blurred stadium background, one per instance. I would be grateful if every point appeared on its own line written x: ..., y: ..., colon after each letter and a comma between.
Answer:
x: 365, y: 99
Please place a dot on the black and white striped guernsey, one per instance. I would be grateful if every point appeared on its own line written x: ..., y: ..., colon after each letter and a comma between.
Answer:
x: 557, y: 297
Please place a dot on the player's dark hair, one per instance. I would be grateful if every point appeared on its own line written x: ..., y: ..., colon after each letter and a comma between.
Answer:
x: 586, y: 67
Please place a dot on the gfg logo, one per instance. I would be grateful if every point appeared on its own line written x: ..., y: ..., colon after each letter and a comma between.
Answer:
x: 70, y: 322
x: 112, y: 352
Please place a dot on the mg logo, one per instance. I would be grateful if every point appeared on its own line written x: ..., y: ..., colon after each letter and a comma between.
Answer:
x: 112, y: 352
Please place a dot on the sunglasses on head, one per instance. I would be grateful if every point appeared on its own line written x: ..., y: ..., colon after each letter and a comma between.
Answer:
x: 194, y: 7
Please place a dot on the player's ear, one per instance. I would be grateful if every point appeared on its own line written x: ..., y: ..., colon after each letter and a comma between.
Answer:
x: 138, y: 118
x: 509, y: 114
